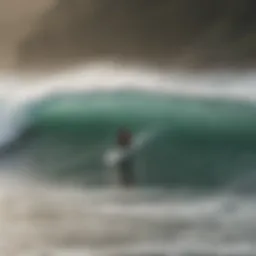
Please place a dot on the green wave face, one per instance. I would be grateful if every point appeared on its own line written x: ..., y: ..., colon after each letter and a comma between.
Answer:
x: 189, y: 142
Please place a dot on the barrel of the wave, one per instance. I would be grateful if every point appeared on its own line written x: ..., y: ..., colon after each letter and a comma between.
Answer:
x: 121, y: 159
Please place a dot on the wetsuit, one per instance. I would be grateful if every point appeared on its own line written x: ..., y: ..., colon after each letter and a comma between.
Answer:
x: 126, y: 174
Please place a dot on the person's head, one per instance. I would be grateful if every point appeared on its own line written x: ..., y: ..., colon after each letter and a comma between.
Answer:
x: 124, y: 137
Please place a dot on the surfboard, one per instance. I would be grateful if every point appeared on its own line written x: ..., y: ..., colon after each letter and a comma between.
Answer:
x: 111, y: 159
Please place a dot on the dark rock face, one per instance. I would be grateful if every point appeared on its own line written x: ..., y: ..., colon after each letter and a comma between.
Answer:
x: 182, y: 33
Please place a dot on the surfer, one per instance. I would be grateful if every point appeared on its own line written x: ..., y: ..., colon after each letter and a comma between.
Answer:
x: 125, y: 165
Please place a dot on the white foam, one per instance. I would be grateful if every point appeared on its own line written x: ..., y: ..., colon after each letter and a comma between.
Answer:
x: 18, y: 91
x: 107, y: 76
x: 38, y: 217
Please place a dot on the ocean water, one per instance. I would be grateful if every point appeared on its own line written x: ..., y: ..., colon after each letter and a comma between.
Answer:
x: 195, y: 148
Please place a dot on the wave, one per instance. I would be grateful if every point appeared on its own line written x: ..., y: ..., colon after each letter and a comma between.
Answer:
x: 191, y: 142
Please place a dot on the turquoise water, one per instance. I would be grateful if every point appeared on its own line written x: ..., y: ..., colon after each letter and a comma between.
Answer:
x: 190, y: 142
x: 193, y: 158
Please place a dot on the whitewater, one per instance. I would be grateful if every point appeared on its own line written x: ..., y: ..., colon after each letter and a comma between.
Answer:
x: 196, y: 164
